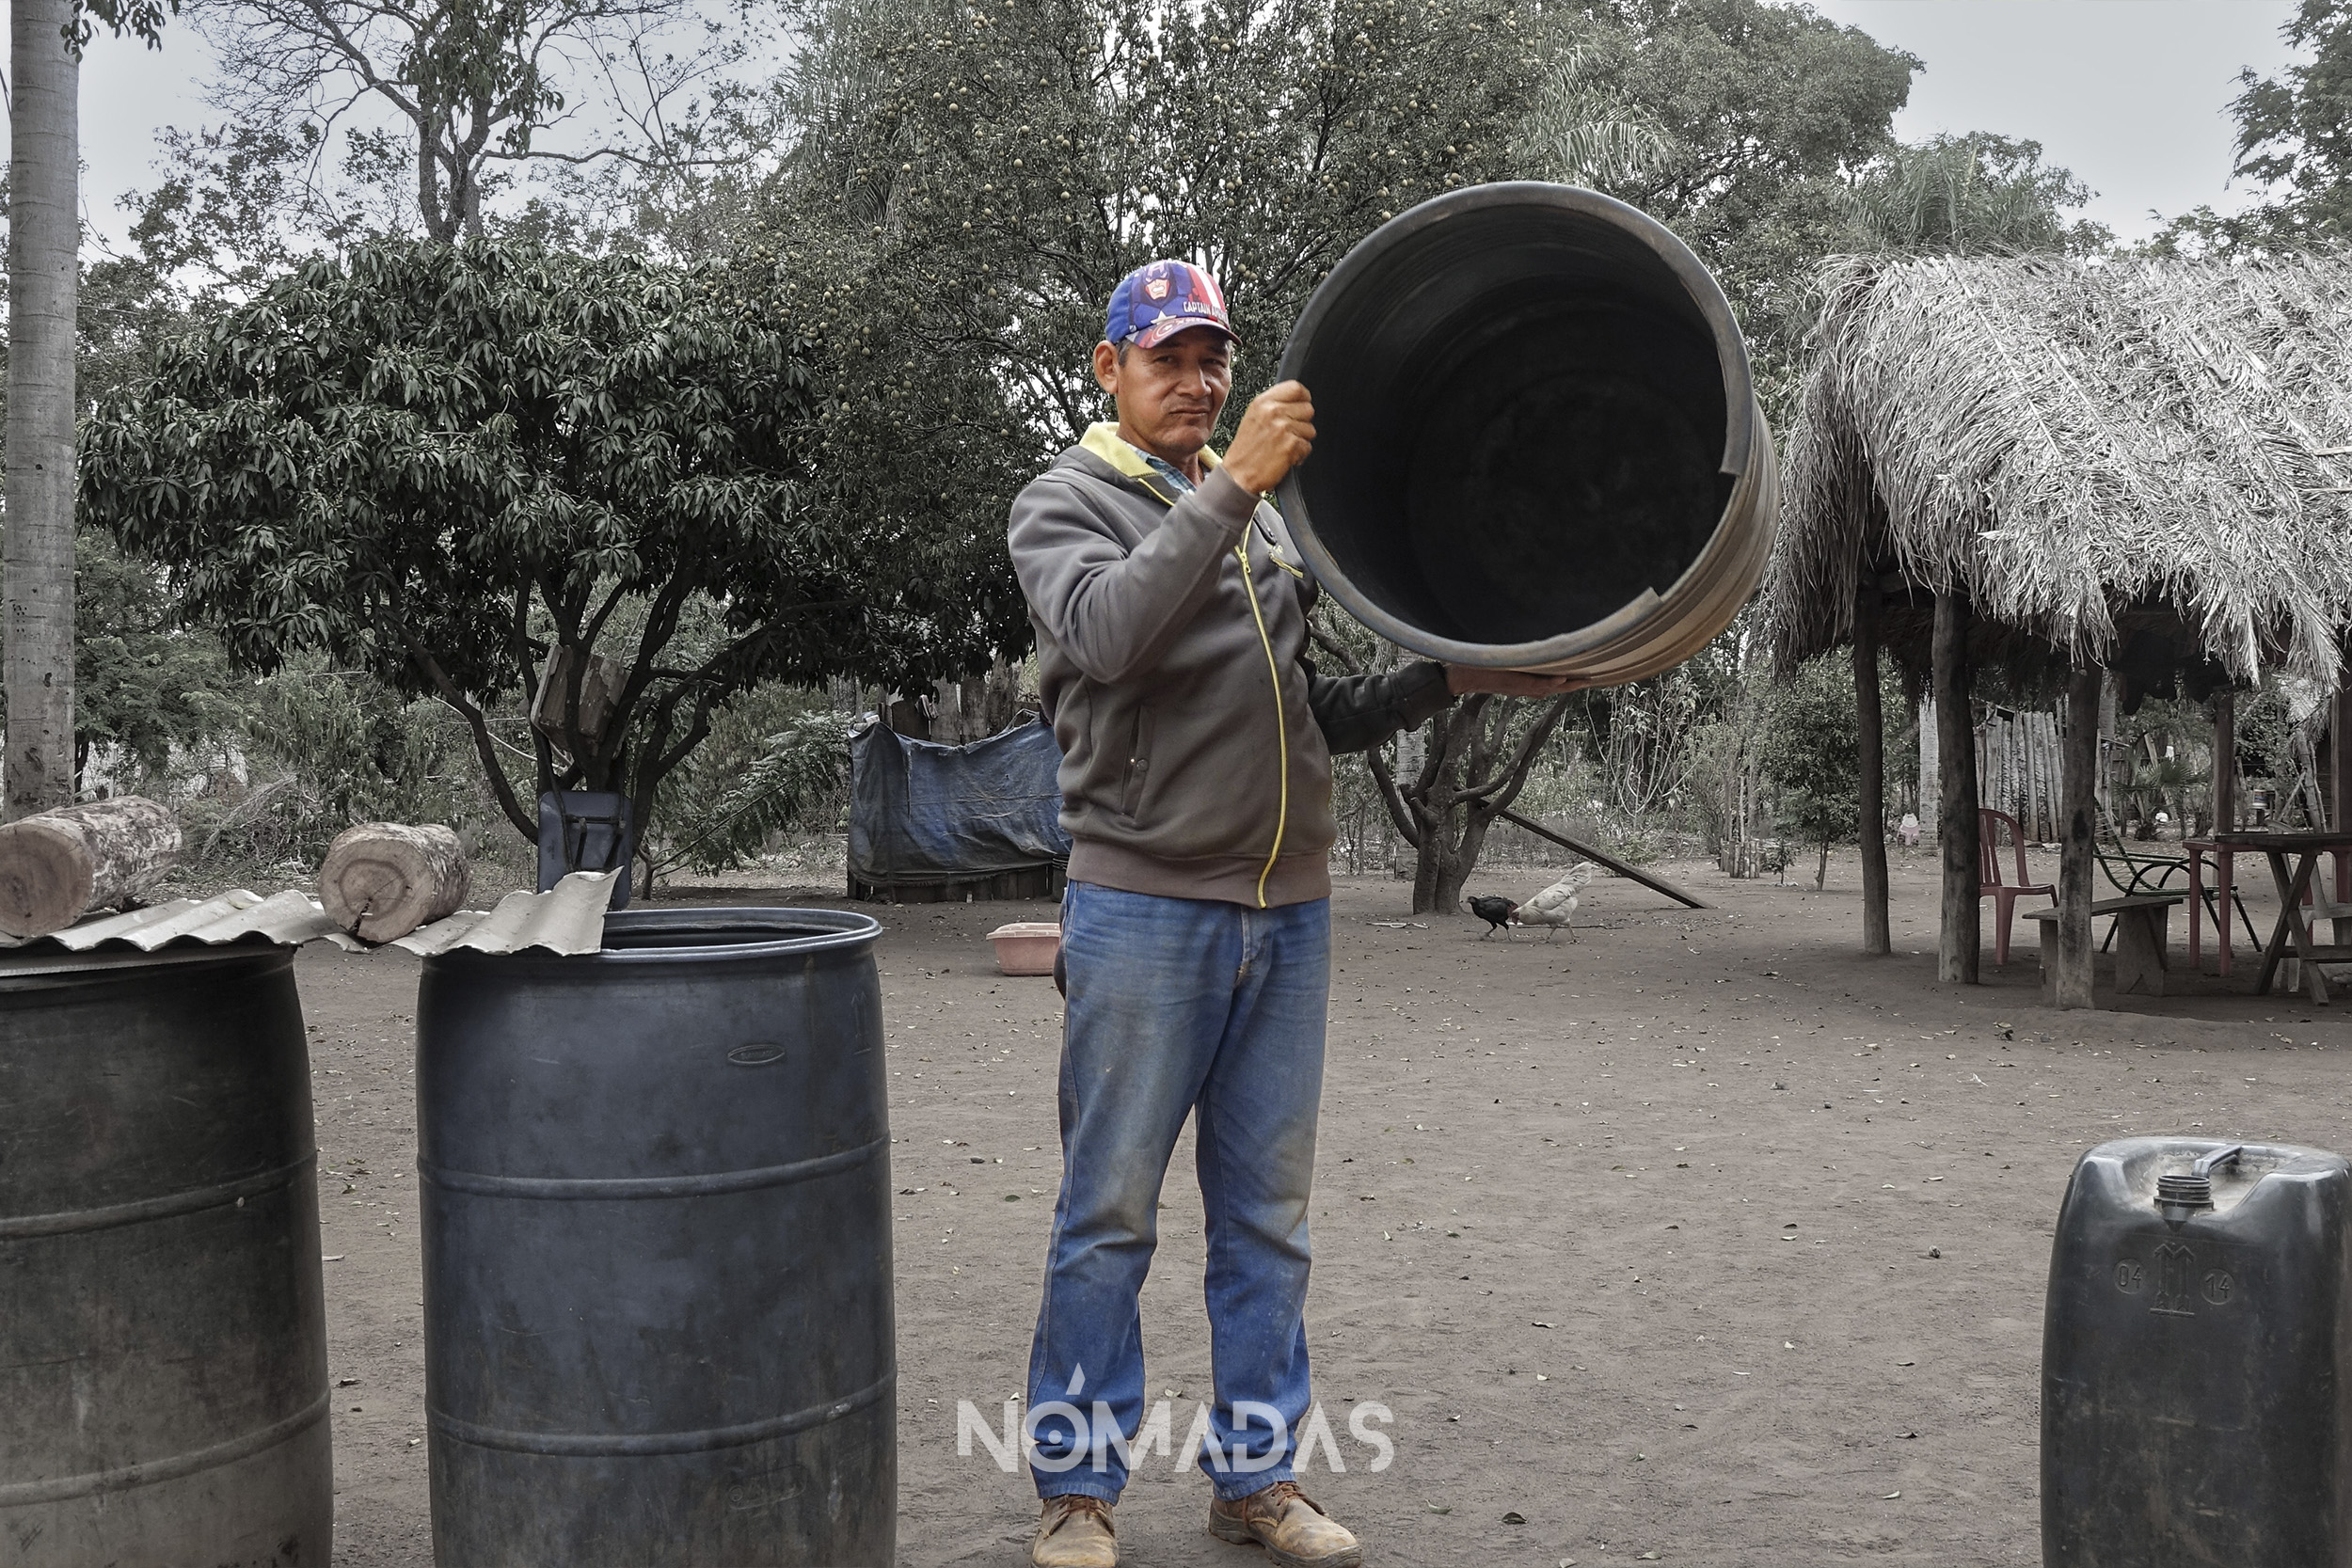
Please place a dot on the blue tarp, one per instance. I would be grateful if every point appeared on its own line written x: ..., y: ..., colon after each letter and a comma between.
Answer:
x: 924, y: 813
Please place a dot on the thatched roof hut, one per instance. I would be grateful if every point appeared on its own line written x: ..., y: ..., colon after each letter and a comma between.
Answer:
x: 2057, y: 467
x: 2085, y: 450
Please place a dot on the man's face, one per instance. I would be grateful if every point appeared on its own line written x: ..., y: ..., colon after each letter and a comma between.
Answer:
x: 1169, y: 394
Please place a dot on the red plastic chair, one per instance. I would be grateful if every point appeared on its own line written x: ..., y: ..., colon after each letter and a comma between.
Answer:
x: 1989, y: 883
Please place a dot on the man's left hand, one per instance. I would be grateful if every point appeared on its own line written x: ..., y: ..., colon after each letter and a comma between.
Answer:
x: 1461, y: 679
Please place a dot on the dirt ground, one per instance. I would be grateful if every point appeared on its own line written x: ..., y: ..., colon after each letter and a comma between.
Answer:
x: 1699, y: 1238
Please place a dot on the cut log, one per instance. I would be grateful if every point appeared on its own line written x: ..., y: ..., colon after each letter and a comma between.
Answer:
x: 58, y: 865
x: 381, y: 881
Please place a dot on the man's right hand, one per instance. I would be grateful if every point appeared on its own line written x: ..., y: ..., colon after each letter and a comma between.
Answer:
x: 1276, y: 433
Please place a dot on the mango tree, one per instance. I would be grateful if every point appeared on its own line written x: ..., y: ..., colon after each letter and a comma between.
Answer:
x: 500, y: 477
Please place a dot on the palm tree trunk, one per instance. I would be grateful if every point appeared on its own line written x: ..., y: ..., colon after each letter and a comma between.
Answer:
x: 37, y: 563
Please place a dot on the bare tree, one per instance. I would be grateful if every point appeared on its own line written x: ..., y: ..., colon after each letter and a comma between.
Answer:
x: 1478, y: 758
x: 1477, y: 762
x: 444, y: 100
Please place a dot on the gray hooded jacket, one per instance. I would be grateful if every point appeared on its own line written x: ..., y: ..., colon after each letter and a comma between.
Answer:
x: 1196, y: 735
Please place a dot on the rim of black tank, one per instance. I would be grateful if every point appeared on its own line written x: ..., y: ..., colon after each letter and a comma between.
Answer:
x: 712, y: 932
x: 57, y: 964
x: 1742, y: 414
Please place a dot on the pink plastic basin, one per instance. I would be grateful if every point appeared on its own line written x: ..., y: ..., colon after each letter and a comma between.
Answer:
x: 1027, y: 946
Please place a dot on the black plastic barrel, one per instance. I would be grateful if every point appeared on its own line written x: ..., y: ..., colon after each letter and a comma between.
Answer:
x: 162, y: 1334
x: 2196, y: 1359
x: 656, y: 1219
x: 1539, y: 445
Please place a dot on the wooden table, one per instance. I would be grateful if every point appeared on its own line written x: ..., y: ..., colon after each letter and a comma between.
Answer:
x: 2293, y: 883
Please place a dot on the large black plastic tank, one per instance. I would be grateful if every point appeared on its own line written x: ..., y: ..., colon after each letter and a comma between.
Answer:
x: 656, y: 1219
x: 2196, y: 1359
x: 1538, y: 442
x: 163, y: 1333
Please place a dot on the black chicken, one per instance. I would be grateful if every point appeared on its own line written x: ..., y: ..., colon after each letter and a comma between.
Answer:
x: 1495, y: 913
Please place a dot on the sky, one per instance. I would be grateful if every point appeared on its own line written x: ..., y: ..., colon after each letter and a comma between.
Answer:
x: 2132, y: 95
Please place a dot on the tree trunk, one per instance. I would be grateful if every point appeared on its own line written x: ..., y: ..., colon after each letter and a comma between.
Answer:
x: 1957, y: 957
x: 2078, y: 863
x: 1470, y: 742
x: 1434, y: 866
x: 1821, y: 871
x: 37, y: 577
x: 1876, y: 934
x: 1462, y: 863
x: 56, y: 866
x: 381, y: 881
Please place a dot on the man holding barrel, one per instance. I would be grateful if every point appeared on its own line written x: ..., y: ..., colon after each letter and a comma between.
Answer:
x: 1196, y: 740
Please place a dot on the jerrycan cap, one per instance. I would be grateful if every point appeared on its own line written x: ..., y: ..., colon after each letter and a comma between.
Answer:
x: 2179, y: 1195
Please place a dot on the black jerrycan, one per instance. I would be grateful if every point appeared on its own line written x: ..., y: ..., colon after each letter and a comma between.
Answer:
x: 2196, y: 1359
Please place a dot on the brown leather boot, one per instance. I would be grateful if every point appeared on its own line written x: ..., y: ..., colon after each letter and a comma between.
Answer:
x: 1295, y: 1531
x: 1074, y: 1532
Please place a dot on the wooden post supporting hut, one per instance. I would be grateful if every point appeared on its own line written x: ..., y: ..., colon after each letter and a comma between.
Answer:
x: 2078, y: 866
x: 1877, y: 933
x: 1958, y: 943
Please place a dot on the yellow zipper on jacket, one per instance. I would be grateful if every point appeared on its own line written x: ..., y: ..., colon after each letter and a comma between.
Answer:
x: 1281, y: 725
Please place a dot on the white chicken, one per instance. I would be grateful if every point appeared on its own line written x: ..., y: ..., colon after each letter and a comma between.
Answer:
x: 1555, y: 907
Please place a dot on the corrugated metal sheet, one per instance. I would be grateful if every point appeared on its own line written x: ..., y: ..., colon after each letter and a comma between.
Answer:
x: 237, y: 915
x: 568, y: 918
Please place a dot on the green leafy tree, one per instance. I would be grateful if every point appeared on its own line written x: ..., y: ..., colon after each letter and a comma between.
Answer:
x: 2294, y: 139
x: 452, y: 466
x: 293, y: 758
x: 1972, y: 195
x: 145, y: 685
x: 1813, y: 752
x: 1764, y: 115
x: 974, y: 179
x: 777, y: 760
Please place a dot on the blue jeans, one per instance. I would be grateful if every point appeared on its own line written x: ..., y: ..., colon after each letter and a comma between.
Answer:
x: 1181, y: 1005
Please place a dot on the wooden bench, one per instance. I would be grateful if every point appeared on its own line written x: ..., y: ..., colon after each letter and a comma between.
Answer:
x: 2139, y: 943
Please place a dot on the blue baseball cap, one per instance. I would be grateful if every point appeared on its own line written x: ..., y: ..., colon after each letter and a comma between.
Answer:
x: 1160, y: 299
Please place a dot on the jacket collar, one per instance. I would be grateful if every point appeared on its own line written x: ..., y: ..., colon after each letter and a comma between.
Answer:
x: 1104, y: 444
x: 1104, y: 441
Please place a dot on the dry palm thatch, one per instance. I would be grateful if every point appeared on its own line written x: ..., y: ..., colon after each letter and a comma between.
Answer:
x: 2069, y: 442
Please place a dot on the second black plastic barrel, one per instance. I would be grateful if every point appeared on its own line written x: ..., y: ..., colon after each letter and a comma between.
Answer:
x: 163, y: 1330
x: 2196, y: 1359
x: 654, y: 1213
